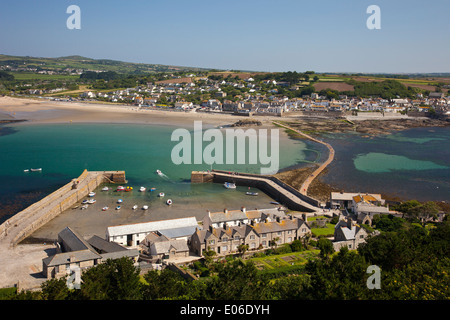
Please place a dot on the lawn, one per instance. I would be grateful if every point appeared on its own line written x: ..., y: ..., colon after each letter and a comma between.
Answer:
x: 272, y: 262
x: 328, y: 231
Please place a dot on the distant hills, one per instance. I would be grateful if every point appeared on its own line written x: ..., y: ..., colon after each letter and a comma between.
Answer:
x: 76, y: 62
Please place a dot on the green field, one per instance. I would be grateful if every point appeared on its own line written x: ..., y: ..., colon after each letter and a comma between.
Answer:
x: 38, y: 76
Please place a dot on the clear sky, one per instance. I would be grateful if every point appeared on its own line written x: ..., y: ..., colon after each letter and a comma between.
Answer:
x: 260, y: 35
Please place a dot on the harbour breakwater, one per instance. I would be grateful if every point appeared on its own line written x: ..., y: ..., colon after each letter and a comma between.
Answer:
x: 24, y: 223
x: 275, y: 188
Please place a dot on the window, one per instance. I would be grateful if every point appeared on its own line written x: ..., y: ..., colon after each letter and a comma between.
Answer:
x: 264, y: 243
x: 289, y: 231
x: 289, y: 239
x: 361, y: 236
x: 236, y: 238
x: 224, y: 248
x: 225, y: 239
x: 211, y: 242
x: 264, y: 235
x: 279, y: 233
x: 252, y: 245
x: 304, y: 230
x: 252, y: 237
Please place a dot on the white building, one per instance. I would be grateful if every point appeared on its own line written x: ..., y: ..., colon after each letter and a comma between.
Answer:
x: 133, y: 234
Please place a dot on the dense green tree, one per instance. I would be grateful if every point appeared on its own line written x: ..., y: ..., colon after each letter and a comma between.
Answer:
x: 325, y: 246
x: 112, y: 280
x: 237, y: 280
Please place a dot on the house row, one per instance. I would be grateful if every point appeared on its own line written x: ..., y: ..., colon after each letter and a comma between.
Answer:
x: 225, y: 232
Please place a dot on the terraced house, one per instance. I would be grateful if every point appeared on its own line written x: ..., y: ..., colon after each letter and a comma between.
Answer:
x: 257, y: 235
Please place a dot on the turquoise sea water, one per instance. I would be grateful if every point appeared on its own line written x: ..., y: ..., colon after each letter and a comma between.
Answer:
x: 410, y: 164
x: 63, y: 151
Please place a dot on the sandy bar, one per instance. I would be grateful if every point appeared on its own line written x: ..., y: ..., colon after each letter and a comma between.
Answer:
x: 44, y: 111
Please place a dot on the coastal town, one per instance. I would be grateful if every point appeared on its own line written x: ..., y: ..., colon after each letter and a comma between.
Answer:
x: 305, y: 223
x: 246, y: 96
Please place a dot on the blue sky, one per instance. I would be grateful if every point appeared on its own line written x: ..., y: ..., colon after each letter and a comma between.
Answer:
x: 282, y: 35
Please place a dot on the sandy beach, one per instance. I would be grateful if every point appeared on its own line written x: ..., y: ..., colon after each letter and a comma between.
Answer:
x: 36, y: 111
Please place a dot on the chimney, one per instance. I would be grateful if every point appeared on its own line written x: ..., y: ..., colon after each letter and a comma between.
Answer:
x: 349, y: 223
x: 225, y: 210
x: 243, y: 209
x: 225, y: 227
x: 278, y: 219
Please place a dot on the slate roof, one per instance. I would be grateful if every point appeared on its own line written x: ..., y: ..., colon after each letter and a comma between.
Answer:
x: 104, y: 246
x: 163, y: 247
x: 65, y: 257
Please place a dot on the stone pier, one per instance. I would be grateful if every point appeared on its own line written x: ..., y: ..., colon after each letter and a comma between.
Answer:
x: 24, y: 223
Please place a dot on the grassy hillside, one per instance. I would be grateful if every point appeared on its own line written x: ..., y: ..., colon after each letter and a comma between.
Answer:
x: 25, y: 64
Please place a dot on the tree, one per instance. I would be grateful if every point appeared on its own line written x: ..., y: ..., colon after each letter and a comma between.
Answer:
x: 237, y: 280
x: 55, y: 289
x: 423, y: 212
x: 325, y: 246
x: 242, y: 248
x: 163, y: 284
x: 112, y: 280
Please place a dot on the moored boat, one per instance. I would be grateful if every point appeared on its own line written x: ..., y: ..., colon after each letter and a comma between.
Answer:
x: 38, y: 169
x: 229, y: 185
x: 251, y: 193
x: 158, y: 172
x: 145, y: 207
x: 92, y: 201
x: 127, y: 189
x: 120, y: 188
x: 85, y: 201
x: 105, y: 189
x: 91, y: 194
x: 152, y: 189
x: 142, y: 189
x: 169, y: 202
x: 135, y: 207
x: 118, y: 207
x: 119, y: 201
x: 161, y: 194
x: 26, y: 170
x: 105, y: 208
x: 84, y: 207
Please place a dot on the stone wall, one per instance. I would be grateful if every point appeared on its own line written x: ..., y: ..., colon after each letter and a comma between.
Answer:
x: 24, y: 223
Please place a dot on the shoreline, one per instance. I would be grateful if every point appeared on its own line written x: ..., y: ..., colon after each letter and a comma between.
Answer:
x: 31, y: 111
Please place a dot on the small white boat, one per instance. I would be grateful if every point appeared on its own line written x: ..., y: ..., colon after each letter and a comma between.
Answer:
x: 91, y: 194
x: 118, y: 208
x: 251, y: 193
x: 145, y: 207
x: 84, y: 207
x: 92, y: 201
x: 119, y: 201
x: 161, y: 194
x: 105, y: 208
x: 169, y: 202
x: 158, y: 172
x: 85, y: 201
x: 142, y: 189
x: 38, y: 169
x: 229, y: 185
x: 135, y: 207
x: 26, y: 170
x: 120, y: 188
x: 105, y: 189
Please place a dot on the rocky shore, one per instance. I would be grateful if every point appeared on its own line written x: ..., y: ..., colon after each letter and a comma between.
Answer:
x: 365, y: 127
